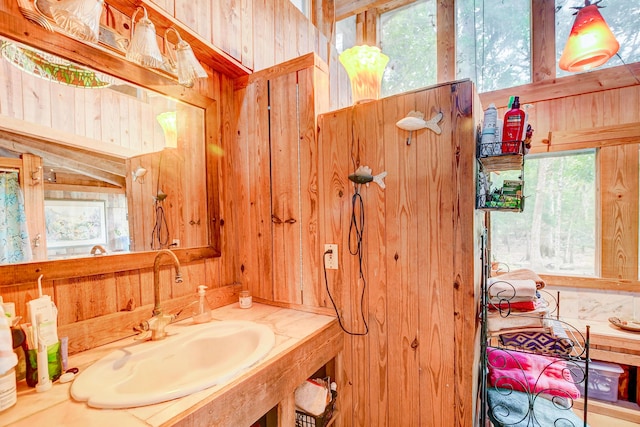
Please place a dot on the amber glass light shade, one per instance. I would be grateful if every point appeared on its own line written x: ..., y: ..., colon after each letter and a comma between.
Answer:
x: 365, y: 66
x: 168, y: 123
x: 591, y: 43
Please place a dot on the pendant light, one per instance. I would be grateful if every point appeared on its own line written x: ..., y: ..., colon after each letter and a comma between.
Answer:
x: 143, y: 48
x: 185, y: 64
x: 591, y: 43
x: 365, y: 66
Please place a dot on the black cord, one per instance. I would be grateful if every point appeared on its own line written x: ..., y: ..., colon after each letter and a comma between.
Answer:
x: 359, y: 230
x: 160, y: 233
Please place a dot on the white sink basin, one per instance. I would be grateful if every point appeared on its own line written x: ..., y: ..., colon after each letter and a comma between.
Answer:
x: 197, y: 357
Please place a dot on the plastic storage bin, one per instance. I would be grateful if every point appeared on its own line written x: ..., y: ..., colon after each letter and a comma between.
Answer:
x: 603, y: 381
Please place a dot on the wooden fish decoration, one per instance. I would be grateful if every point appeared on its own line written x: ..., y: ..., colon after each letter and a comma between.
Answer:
x: 363, y: 175
x: 415, y: 121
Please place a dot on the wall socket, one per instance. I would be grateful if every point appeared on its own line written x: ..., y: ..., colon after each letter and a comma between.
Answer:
x: 331, y: 260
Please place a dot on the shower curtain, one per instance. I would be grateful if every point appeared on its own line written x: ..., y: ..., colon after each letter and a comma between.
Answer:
x: 14, y: 237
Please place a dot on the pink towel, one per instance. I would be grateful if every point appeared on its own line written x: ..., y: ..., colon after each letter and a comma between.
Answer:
x: 530, y: 373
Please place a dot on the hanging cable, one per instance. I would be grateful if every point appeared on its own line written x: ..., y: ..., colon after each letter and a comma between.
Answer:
x: 358, y: 229
x: 160, y: 232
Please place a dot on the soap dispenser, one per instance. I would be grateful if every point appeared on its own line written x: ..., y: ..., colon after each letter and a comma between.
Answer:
x: 202, y: 313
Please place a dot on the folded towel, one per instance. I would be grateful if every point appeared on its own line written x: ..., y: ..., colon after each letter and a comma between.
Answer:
x: 517, y: 306
x: 512, y: 408
x: 503, y: 321
x: 523, y: 274
x: 502, y: 291
x: 530, y: 373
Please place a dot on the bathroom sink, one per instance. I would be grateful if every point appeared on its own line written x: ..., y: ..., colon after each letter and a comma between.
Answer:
x: 193, y: 359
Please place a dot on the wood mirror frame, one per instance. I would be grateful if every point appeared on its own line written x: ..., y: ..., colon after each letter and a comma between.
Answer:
x: 95, y: 57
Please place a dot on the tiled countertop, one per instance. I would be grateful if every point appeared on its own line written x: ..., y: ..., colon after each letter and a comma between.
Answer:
x: 294, y: 330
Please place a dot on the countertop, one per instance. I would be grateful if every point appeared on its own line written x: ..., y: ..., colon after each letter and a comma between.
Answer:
x: 304, y: 342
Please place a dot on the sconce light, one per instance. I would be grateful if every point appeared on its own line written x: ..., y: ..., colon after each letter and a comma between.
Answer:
x: 185, y: 63
x: 591, y: 43
x: 167, y: 121
x: 365, y: 66
x: 80, y: 19
x: 139, y: 174
x: 143, y: 48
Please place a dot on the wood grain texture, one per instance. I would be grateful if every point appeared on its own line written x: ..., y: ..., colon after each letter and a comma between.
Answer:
x: 408, y: 370
x: 543, y: 38
x: 619, y: 212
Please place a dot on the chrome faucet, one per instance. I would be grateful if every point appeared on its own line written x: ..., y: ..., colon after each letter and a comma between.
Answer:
x: 159, y: 321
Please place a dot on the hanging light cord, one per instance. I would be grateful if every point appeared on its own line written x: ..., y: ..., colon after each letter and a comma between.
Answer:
x: 358, y: 230
x: 160, y: 233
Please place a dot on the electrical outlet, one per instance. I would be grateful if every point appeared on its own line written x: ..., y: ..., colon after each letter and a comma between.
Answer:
x: 331, y: 260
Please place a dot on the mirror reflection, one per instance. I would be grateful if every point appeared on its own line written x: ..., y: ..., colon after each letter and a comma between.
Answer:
x: 92, y: 165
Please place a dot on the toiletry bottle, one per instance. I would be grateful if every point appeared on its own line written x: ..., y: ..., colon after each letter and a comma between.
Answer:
x: 488, y: 140
x: 8, y: 361
x: 513, y: 128
x: 202, y: 313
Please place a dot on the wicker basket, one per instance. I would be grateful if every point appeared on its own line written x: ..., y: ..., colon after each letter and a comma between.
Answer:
x: 306, y: 420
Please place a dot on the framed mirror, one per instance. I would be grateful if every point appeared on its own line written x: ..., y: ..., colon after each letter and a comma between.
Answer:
x: 108, y: 167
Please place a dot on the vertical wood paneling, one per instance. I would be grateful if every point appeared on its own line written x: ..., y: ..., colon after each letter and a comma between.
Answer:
x: 446, y: 49
x: 402, y: 236
x: 127, y: 290
x: 264, y: 29
x: 543, y: 20
x: 248, y: 49
x: 619, y: 211
x: 281, y: 31
x: 435, y: 222
x: 227, y: 26
x: 285, y: 181
x: 335, y: 198
x: 33, y: 191
x: 36, y: 102
x: 311, y: 249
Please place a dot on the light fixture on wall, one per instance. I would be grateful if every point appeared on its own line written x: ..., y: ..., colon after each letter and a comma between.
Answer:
x: 185, y: 63
x: 143, y: 47
x: 78, y: 18
x: 365, y: 66
x: 167, y: 121
x: 591, y: 42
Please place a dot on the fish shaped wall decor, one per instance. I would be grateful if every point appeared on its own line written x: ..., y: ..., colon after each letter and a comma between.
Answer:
x: 415, y: 121
x: 363, y: 175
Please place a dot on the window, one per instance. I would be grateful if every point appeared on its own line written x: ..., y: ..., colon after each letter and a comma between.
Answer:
x: 556, y: 232
x: 346, y: 33
x: 408, y: 37
x: 302, y: 5
x: 622, y: 16
x: 498, y: 54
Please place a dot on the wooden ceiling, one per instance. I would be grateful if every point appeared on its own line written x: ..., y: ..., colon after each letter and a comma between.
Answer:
x: 346, y: 8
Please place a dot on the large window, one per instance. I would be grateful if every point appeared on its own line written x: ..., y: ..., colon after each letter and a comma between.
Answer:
x: 408, y: 37
x: 345, y: 33
x: 498, y: 54
x: 622, y: 16
x: 556, y: 232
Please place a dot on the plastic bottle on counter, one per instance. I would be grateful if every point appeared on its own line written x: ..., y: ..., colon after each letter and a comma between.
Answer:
x: 488, y: 141
x: 513, y: 128
x: 8, y: 362
x: 202, y: 313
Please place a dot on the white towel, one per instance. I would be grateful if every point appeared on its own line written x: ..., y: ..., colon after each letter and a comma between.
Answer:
x: 8, y: 358
x: 511, y: 290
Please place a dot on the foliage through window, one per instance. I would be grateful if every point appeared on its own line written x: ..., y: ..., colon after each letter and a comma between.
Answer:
x: 498, y: 54
x: 556, y: 232
x: 622, y: 16
x: 345, y: 33
x: 408, y: 37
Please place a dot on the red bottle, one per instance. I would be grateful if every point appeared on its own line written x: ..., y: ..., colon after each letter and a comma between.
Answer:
x: 513, y: 128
